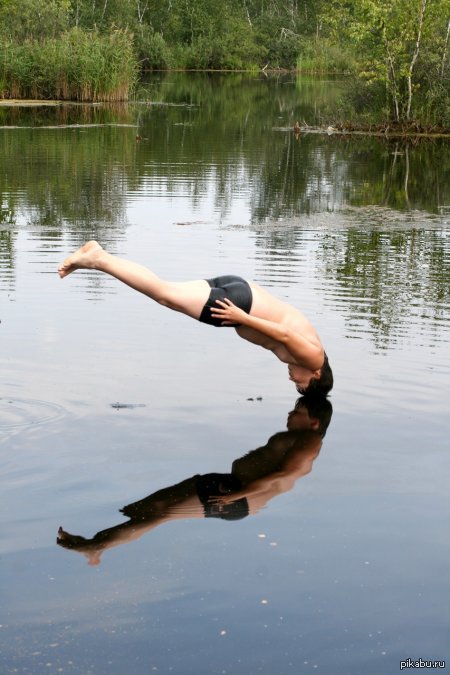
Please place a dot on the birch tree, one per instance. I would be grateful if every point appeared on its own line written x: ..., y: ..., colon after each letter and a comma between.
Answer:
x: 398, y: 44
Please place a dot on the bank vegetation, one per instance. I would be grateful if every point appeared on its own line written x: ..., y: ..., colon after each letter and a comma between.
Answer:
x: 395, y: 54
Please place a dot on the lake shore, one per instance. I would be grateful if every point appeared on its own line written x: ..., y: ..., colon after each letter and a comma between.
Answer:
x: 412, y: 131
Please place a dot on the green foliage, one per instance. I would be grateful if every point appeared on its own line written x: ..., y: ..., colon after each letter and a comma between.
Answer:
x: 220, y: 50
x: 33, y: 19
x: 322, y: 56
x: 402, y: 47
x: 399, y: 48
x: 78, y: 65
x: 223, y: 34
x: 152, y: 50
x: 212, y: 35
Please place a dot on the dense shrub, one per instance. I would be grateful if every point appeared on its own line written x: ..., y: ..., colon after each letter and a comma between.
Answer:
x: 152, y: 50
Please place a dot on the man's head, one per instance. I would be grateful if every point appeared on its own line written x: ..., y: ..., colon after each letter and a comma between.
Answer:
x: 311, y: 412
x: 314, y: 383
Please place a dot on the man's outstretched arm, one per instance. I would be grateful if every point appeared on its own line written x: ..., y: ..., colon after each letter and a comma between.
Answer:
x: 305, y: 352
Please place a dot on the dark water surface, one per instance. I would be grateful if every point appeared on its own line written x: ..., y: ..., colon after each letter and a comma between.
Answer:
x: 341, y: 563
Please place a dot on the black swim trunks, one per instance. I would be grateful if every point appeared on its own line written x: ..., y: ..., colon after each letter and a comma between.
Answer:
x: 215, y: 485
x: 229, y: 286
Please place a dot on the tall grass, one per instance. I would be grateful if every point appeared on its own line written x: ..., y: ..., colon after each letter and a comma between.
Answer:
x: 77, y: 66
x: 322, y: 57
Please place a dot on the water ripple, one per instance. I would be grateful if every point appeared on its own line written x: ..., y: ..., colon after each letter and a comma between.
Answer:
x: 23, y: 412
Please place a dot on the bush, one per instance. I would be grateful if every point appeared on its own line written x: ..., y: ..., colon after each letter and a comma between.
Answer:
x: 152, y: 50
x: 279, y: 49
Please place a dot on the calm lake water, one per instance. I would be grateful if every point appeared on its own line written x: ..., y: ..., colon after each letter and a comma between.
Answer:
x: 342, y: 567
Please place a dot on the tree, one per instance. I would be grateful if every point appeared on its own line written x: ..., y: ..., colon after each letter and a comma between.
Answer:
x: 33, y: 19
x: 397, y: 42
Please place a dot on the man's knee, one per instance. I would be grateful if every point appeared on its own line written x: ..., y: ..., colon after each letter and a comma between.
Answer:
x: 167, y: 301
x: 169, y: 296
x: 165, y: 295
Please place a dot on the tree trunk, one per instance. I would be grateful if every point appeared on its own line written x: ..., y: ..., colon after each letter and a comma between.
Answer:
x: 104, y: 9
x: 248, y: 15
x: 392, y: 78
x: 444, y: 54
x: 414, y: 58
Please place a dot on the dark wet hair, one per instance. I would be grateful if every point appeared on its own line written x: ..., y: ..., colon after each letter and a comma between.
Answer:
x: 320, y: 386
x: 319, y: 408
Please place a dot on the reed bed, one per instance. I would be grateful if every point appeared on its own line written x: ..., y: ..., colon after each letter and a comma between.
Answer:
x: 78, y: 66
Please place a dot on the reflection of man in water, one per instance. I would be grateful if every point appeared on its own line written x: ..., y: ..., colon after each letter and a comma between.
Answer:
x: 256, y: 315
x: 254, y: 480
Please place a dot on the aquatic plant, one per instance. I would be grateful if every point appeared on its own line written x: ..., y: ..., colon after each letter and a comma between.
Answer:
x: 77, y: 66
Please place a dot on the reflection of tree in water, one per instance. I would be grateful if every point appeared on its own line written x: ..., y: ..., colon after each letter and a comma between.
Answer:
x: 6, y: 257
x: 395, y: 280
x: 386, y: 282
x: 66, y: 179
x: 69, y: 175
x: 222, y: 135
x: 313, y: 174
x: 400, y: 174
x: 236, y: 135
x: 230, y: 136
x: 298, y: 176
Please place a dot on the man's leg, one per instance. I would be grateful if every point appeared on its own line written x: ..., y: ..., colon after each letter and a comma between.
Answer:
x: 188, y: 297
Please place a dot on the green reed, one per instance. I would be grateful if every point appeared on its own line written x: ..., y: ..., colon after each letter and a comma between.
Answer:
x: 322, y: 57
x: 77, y: 66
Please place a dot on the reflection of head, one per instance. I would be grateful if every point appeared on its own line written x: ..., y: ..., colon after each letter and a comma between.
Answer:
x: 322, y: 385
x: 318, y: 408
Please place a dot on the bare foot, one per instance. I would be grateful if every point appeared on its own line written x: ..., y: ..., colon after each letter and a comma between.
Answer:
x: 90, y: 549
x: 85, y: 258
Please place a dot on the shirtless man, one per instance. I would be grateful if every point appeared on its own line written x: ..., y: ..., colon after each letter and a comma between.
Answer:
x: 256, y: 315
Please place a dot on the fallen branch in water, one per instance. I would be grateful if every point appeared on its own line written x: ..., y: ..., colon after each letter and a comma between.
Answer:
x: 382, y: 131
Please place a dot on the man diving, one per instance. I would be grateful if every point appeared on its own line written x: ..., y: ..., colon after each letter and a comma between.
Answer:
x: 256, y: 315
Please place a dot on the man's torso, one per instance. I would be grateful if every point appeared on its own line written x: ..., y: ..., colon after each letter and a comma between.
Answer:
x: 266, y: 306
